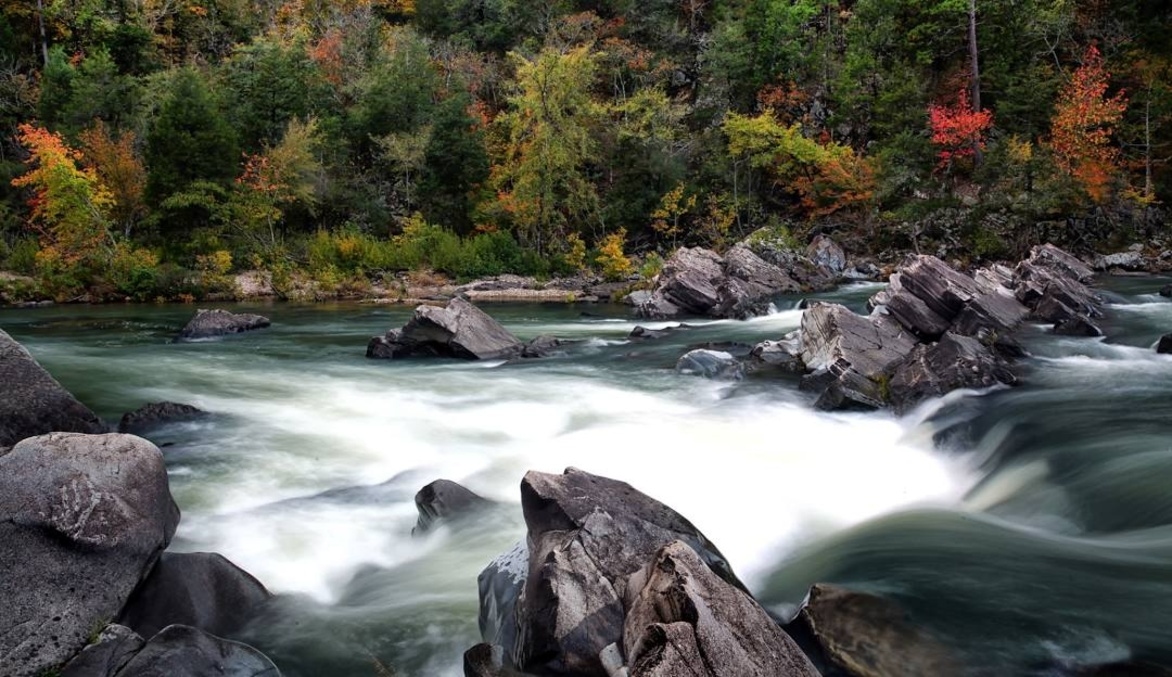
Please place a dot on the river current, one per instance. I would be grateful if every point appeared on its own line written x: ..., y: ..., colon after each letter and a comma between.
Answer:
x: 1030, y: 528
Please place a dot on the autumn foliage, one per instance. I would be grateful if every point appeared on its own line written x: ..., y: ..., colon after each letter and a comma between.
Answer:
x: 1083, y: 123
x: 957, y: 129
x: 69, y: 204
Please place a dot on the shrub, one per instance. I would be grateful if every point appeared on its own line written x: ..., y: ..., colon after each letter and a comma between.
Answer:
x: 614, y: 263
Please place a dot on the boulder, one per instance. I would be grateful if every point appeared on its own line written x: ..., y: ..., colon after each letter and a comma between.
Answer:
x: 862, y: 635
x: 1164, y: 345
x: 541, y: 346
x: 200, y: 589
x: 683, y: 619
x: 952, y: 363
x: 1128, y: 260
x: 641, y: 333
x: 33, y: 402
x: 182, y: 651
x: 213, y: 323
x: 82, y: 518
x: 712, y: 364
x: 851, y: 356
x: 784, y: 355
x: 1078, y: 325
x: 112, y: 650
x: 1060, y: 262
x: 156, y: 414
x: 697, y: 281
x: 687, y: 284
x: 445, y: 500
x: 825, y: 253
x: 459, y: 330
x: 1166, y: 290
x: 587, y: 536
x: 943, y: 290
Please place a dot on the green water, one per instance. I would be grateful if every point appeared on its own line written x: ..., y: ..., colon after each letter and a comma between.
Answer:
x: 1027, y: 527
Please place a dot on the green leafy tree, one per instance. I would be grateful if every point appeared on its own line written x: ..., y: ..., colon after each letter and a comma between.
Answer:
x: 548, y: 143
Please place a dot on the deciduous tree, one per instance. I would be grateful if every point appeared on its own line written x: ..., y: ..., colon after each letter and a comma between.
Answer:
x: 1083, y: 124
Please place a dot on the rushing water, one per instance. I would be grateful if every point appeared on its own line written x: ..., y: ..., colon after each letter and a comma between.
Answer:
x: 1031, y: 528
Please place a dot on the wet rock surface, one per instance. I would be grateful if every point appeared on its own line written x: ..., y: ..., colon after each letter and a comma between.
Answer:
x: 214, y: 323
x: 459, y: 330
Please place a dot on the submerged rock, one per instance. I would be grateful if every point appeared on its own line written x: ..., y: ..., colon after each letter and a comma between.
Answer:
x: 459, y: 330
x: 1166, y: 290
x: 82, y: 519
x: 712, y: 364
x: 156, y: 414
x: 182, y: 651
x: 784, y: 355
x: 213, y: 323
x: 1078, y: 325
x: 445, y: 500
x: 200, y: 589
x: 683, y: 619
x: 33, y: 402
x: 862, y: 635
x: 1164, y: 345
x: 541, y: 346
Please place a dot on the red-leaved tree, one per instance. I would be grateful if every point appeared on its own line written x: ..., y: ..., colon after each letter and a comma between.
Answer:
x: 1083, y: 123
x: 958, y: 130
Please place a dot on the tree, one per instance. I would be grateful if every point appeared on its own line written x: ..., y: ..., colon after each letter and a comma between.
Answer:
x: 275, y: 180
x: 826, y: 177
x: 116, y: 161
x: 958, y: 130
x: 190, y: 139
x: 540, y: 178
x: 1083, y: 124
x: 69, y: 205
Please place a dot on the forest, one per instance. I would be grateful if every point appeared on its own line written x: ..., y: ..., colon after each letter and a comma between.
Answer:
x: 149, y: 149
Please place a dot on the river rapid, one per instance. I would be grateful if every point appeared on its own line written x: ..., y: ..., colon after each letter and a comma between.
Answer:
x: 1029, y: 528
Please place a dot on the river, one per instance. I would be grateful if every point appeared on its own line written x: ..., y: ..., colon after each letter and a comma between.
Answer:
x: 1030, y: 528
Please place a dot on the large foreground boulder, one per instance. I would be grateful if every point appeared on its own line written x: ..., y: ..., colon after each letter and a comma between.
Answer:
x: 32, y: 402
x: 459, y: 330
x: 684, y: 620
x: 200, y: 589
x: 592, y: 550
x: 82, y: 519
x: 215, y: 323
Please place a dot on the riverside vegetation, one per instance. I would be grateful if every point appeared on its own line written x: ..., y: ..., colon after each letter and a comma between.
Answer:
x: 150, y: 150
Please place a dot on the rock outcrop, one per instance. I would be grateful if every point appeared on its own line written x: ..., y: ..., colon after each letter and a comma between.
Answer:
x: 444, y: 500
x: 215, y: 323
x: 458, y: 329
x: 590, y: 590
x: 157, y: 414
x: 696, y: 281
x: 33, y: 402
x: 934, y: 329
x: 83, y: 518
x: 200, y: 589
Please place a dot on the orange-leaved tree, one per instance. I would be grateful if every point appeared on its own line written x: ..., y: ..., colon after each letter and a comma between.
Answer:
x: 69, y: 206
x: 958, y: 130
x: 1083, y: 123
x: 119, y: 167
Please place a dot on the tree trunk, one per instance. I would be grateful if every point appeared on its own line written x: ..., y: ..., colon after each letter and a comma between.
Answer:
x: 41, y: 25
x: 974, y: 62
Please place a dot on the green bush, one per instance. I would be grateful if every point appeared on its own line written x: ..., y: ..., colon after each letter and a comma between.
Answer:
x: 22, y: 256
